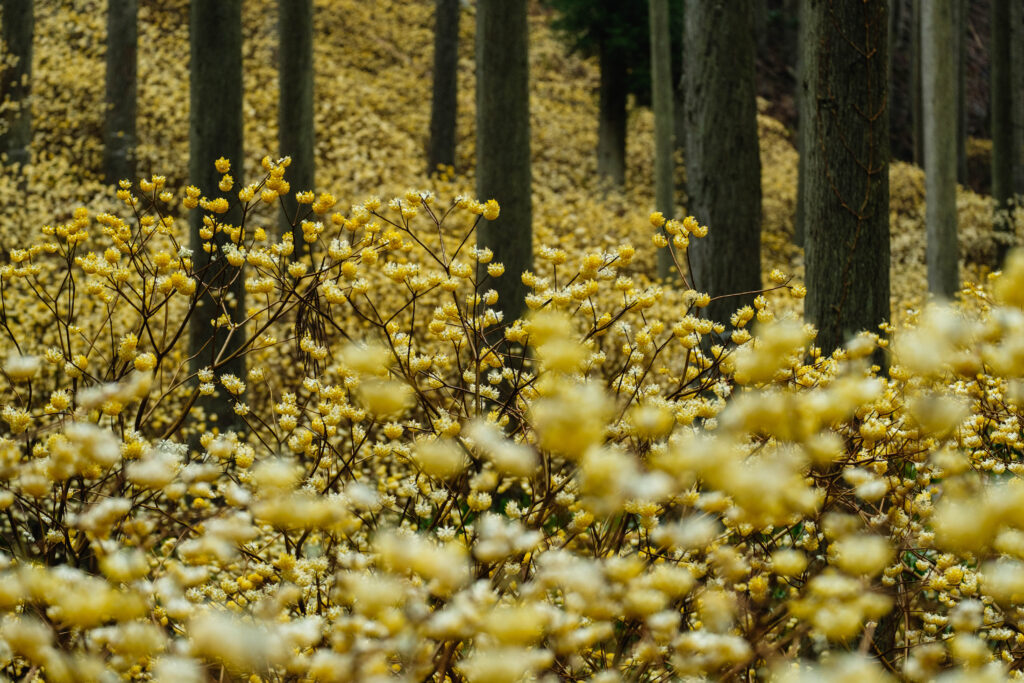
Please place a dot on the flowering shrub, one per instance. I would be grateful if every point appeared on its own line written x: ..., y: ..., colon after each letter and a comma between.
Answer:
x: 612, y: 488
x: 618, y: 488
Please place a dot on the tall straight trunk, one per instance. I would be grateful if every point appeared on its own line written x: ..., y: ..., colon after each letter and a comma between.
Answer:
x: 960, y: 55
x: 16, y: 29
x: 611, y: 129
x: 723, y: 165
x: 846, y: 198
x: 902, y: 62
x: 938, y: 76
x: 661, y: 98
x: 916, y: 107
x: 444, y: 104
x: 295, y: 106
x: 122, y: 88
x: 891, y: 38
x: 679, y: 115
x: 1003, y: 149
x: 215, y: 130
x: 503, y: 145
x: 1017, y: 70
x: 805, y: 123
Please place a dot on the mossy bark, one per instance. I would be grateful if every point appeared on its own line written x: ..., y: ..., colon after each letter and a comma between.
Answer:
x: 664, y: 124
x: 295, y: 107
x: 723, y: 168
x: 215, y: 130
x: 940, y: 118
x: 119, y: 138
x: 503, y: 146
x: 444, y: 104
x: 17, y: 26
x: 846, y: 197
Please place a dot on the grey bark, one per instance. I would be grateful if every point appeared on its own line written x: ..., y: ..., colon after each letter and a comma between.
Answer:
x: 1003, y: 149
x: 960, y: 55
x: 846, y: 198
x: 503, y: 145
x: 18, y: 25
x: 295, y: 107
x: 119, y: 138
x: 723, y: 166
x: 661, y: 99
x: 940, y: 118
x: 444, y: 104
x: 611, y: 129
x: 215, y: 130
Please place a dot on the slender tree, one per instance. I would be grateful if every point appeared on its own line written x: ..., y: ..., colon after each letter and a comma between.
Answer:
x: 661, y: 96
x: 503, y: 144
x: 16, y: 28
x: 805, y: 129
x: 902, y: 63
x: 295, y: 105
x: 723, y: 166
x: 444, y: 105
x: 617, y: 32
x: 916, y: 102
x: 122, y: 66
x: 1017, y: 69
x: 960, y: 20
x: 1003, y: 148
x: 846, y: 197
x: 611, y: 129
x: 938, y: 76
x: 215, y: 131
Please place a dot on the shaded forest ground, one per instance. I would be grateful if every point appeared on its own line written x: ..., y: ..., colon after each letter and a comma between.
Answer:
x: 372, y: 98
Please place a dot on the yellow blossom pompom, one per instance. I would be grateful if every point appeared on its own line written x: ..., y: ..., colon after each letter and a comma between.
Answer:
x: 145, y: 362
x: 441, y: 458
x: 491, y: 209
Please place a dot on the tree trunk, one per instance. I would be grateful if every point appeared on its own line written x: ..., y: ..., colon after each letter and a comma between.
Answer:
x: 723, y: 167
x: 17, y: 27
x: 122, y: 67
x: 295, y: 107
x: 444, y: 105
x: 938, y: 74
x: 901, y: 66
x: 960, y: 55
x: 215, y: 130
x: 805, y: 123
x: 679, y: 117
x: 916, y: 106
x: 664, y: 150
x: 846, y: 198
x: 1002, y: 125
x: 611, y: 129
x: 503, y: 146
x: 1017, y: 69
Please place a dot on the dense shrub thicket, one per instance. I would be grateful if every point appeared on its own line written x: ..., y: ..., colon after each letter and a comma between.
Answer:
x: 617, y: 489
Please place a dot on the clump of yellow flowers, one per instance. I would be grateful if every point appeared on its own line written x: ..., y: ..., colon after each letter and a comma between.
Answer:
x: 618, y: 489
